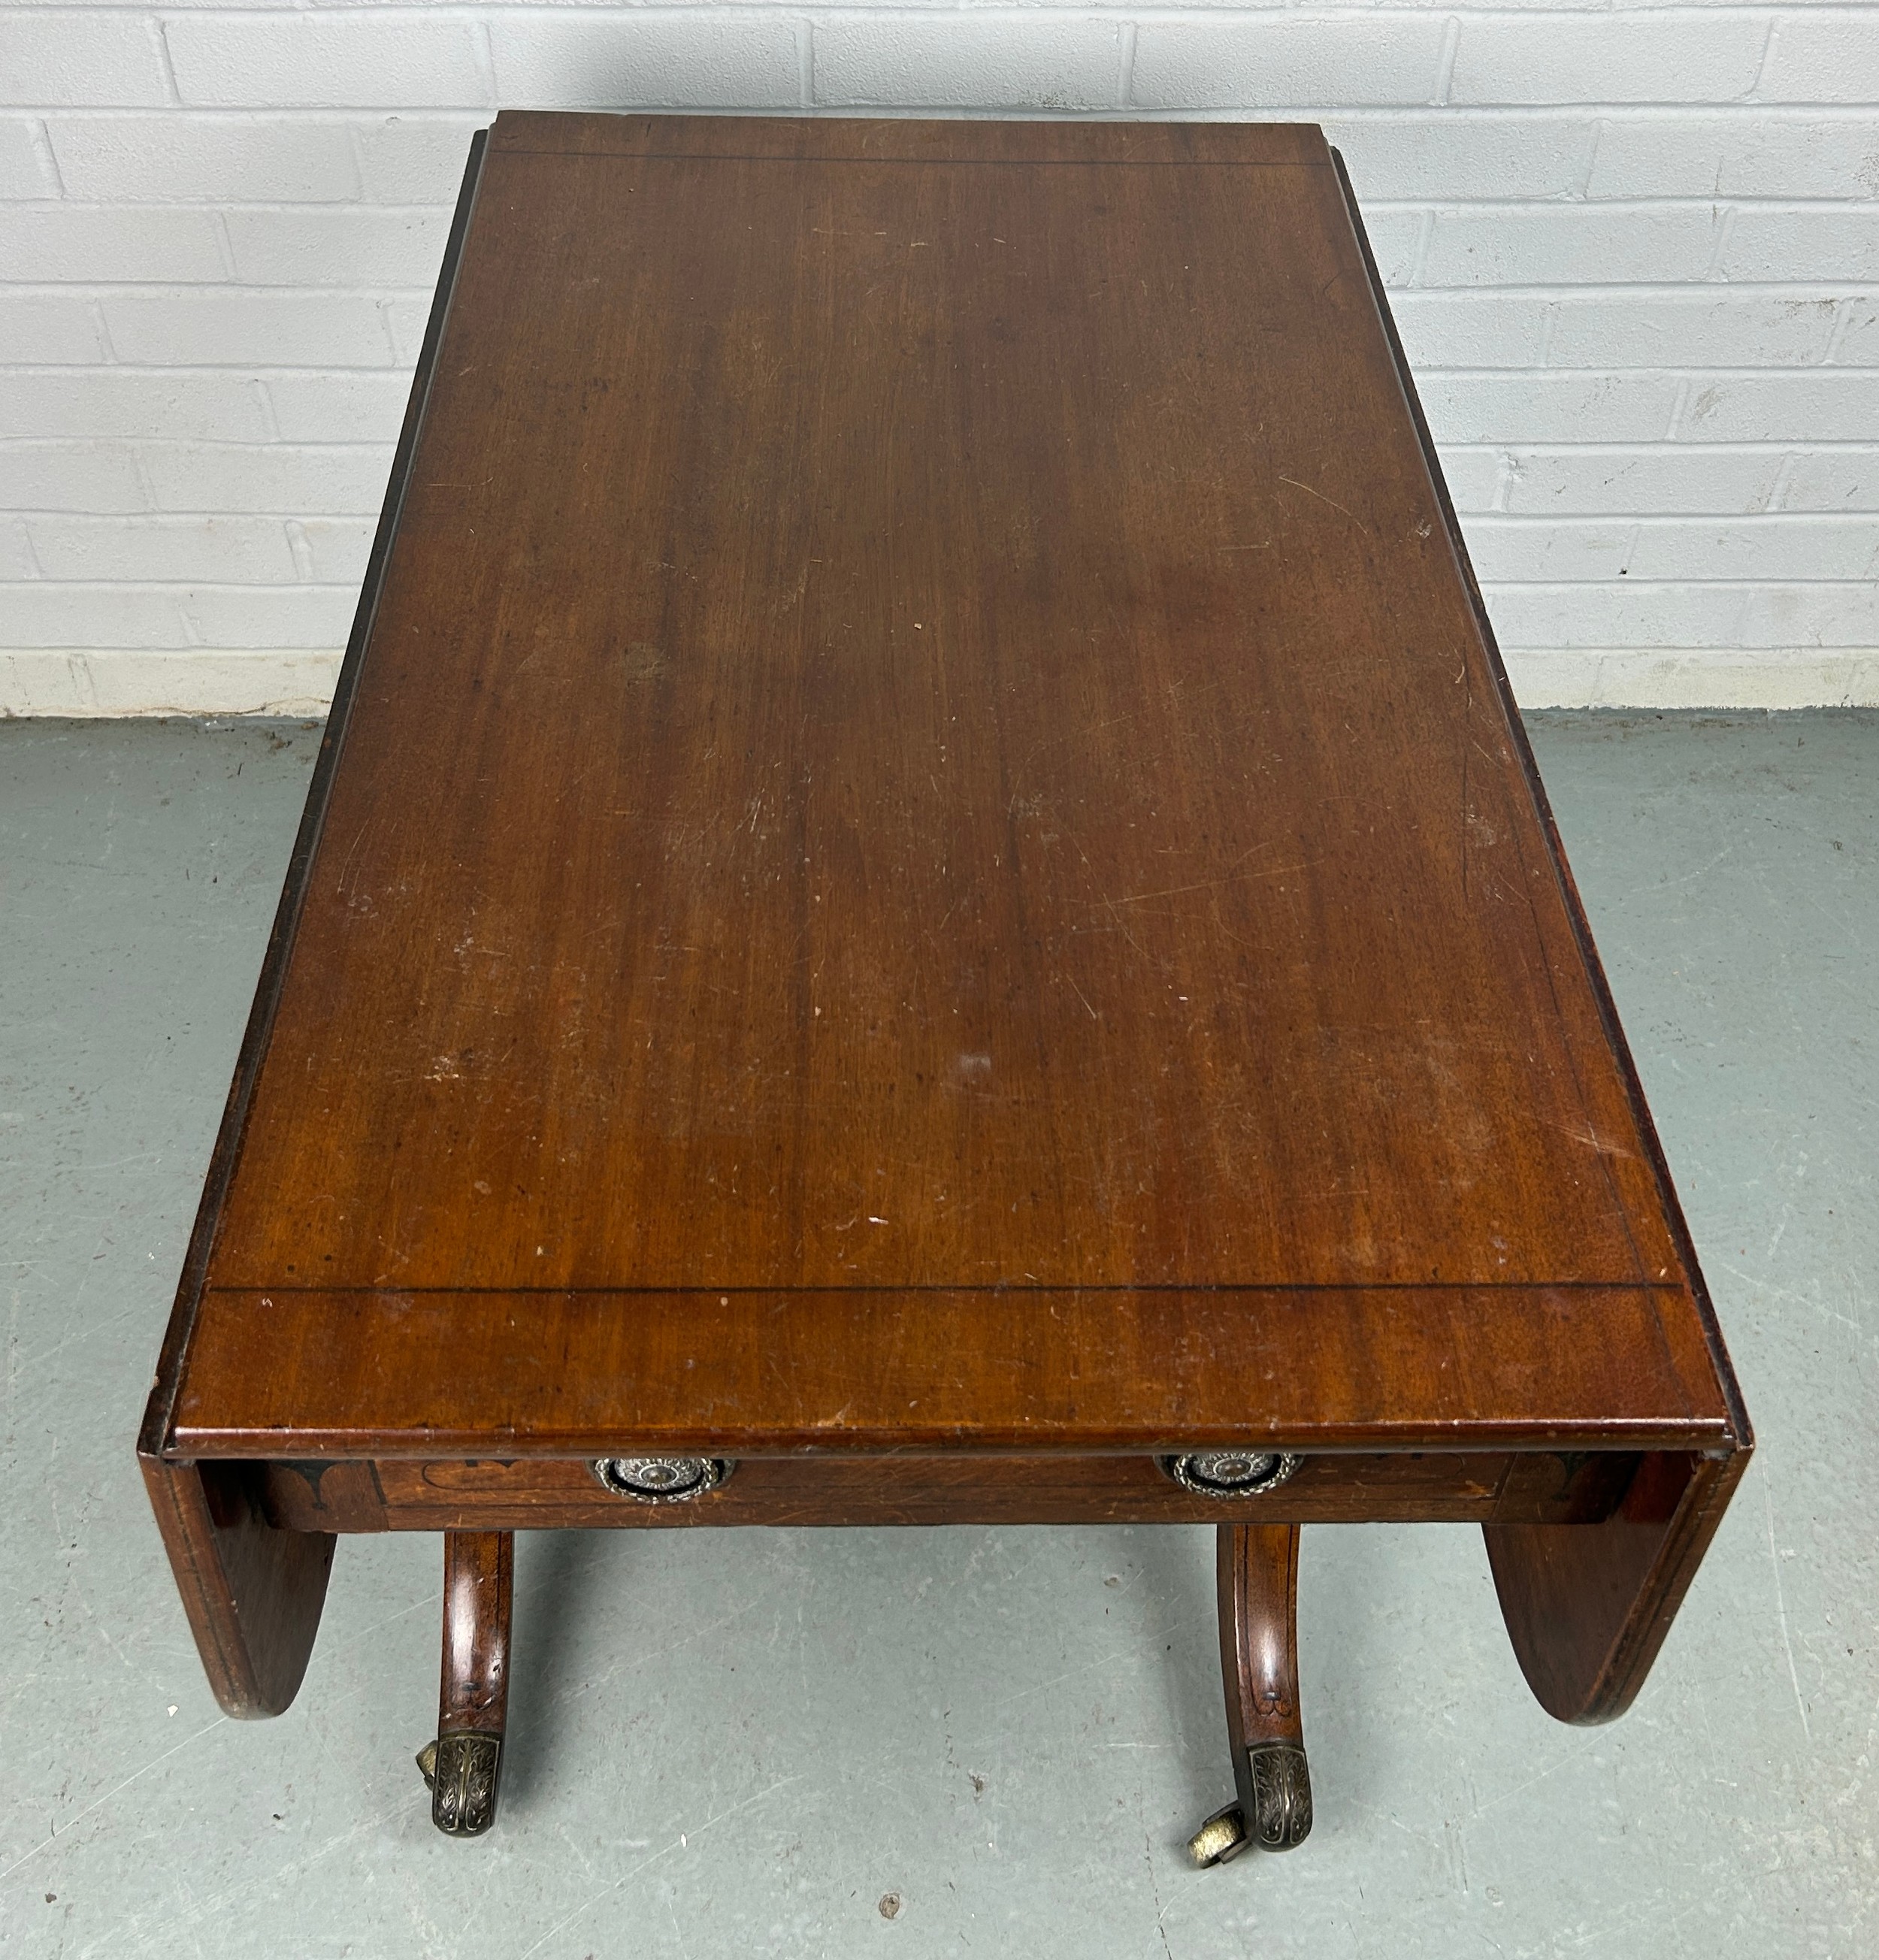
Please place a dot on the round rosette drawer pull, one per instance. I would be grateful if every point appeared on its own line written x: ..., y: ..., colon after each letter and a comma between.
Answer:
x: 1231, y: 1473
x: 662, y: 1479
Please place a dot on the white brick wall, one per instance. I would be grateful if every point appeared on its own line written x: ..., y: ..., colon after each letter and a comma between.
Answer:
x: 1634, y: 251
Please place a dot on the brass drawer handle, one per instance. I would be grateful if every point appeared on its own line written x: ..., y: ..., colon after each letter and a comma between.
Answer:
x: 1231, y: 1473
x: 662, y: 1479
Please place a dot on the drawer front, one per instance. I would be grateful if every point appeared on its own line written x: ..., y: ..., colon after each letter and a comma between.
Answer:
x: 1526, y: 1487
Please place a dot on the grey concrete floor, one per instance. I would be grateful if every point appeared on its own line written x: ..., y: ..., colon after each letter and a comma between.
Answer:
x: 740, y: 1743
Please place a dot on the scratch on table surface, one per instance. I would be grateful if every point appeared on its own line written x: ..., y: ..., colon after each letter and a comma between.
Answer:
x: 1212, y: 884
x: 273, y: 1879
x: 65, y: 1830
x: 76, y: 1328
x: 1722, y: 857
x: 19, y: 1361
x: 1781, y: 1606
x: 1428, y: 1838
x: 1781, y: 1229
x: 639, y: 1657
x: 1592, y: 1140
x: 664, y: 1850
x: 1057, y: 1680
x: 1322, y: 499
x: 353, y: 851
x: 1508, y: 1796
x: 1788, y: 1293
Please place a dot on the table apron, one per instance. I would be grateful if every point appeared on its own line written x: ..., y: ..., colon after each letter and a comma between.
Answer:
x: 556, y: 1493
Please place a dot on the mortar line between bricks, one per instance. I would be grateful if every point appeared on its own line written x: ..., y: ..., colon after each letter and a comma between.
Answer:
x: 124, y: 375
x: 1612, y: 447
x: 1662, y: 521
x: 227, y: 289
x: 1776, y: 203
x: 1707, y: 293
x: 1693, y: 201
x: 1601, y: 371
x: 180, y: 516
x: 1606, y: 371
x: 1553, y: 586
x: 471, y: 116
x: 158, y: 516
x: 549, y: 10
x: 251, y: 588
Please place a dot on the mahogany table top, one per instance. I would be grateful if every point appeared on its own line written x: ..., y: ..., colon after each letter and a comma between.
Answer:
x: 923, y: 845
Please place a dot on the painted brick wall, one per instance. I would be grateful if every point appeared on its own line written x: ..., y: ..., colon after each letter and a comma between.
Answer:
x: 1634, y: 251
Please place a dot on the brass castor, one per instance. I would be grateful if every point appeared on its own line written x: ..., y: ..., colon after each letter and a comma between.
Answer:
x: 1280, y: 1779
x: 463, y: 1771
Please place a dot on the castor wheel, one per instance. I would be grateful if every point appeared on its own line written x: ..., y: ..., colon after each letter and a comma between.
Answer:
x: 1280, y: 1779
x: 1222, y: 1837
x: 463, y: 1771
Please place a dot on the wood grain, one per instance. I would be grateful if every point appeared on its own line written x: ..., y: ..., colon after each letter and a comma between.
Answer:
x: 1587, y: 1606
x: 365, y: 1373
x: 1256, y: 1576
x: 905, y: 930
x: 922, y: 732
x: 478, y: 1588
x: 253, y: 1593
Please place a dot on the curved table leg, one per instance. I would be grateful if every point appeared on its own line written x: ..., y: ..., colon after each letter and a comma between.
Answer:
x: 1587, y: 1606
x: 464, y: 1766
x: 1257, y: 1566
x: 253, y: 1593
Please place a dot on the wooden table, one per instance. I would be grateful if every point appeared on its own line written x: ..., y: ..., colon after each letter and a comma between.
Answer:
x: 923, y: 902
